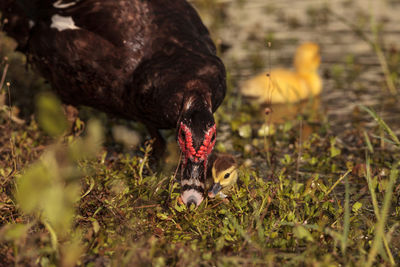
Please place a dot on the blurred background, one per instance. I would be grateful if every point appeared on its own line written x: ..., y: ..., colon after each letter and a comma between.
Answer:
x: 359, y: 41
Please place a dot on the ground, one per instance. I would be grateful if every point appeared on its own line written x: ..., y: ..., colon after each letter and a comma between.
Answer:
x: 318, y: 181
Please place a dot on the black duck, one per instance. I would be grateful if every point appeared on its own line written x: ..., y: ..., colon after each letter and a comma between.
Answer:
x: 152, y: 61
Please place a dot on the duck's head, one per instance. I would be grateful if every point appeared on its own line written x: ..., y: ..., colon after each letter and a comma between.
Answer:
x: 307, y: 58
x: 196, y: 138
x: 224, y: 174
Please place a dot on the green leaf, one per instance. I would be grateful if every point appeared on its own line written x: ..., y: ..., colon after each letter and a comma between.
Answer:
x: 13, y: 232
x: 50, y: 115
x: 245, y: 131
x: 162, y: 216
x: 356, y: 206
x: 334, y: 150
x: 302, y: 233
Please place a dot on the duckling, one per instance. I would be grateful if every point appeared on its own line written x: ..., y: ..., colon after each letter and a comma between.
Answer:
x: 286, y: 86
x: 224, y: 175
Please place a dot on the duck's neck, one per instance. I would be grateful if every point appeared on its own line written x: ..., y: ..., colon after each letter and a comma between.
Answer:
x: 197, y: 122
x: 197, y: 97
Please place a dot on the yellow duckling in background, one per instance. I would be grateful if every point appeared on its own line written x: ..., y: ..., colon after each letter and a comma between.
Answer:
x: 286, y: 86
x: 224, y: 175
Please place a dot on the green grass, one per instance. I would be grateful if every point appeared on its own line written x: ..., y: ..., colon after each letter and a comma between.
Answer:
x: 69, y: 203
x: 69, y: 195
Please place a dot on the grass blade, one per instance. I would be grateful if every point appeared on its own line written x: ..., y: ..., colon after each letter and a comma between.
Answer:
x: 346, y: 223
x: 380, y: 226
x: 381, y: 123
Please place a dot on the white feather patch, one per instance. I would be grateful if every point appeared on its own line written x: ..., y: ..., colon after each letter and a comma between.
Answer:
x: 188, y: 103
x: 60, y: 5
x: 192, y: 194
x: 192, y: 182
x: 63, y: 23
x: 31, y: 24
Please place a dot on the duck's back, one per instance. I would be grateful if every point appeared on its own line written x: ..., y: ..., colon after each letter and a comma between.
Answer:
x: 93, y: 50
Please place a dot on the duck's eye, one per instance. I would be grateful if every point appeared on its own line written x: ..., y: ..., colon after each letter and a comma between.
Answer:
x: 226, y: 176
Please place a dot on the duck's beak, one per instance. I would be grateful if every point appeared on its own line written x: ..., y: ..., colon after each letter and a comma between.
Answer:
x: 214, y: 190
x: 192, y: 183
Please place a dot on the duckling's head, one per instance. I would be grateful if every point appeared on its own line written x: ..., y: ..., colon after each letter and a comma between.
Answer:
x: 307, y: 58
x: 224, y: 173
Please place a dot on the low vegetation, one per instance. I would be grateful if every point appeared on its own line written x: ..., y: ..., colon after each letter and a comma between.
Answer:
x: 307, y: 194
x: 66, y: 199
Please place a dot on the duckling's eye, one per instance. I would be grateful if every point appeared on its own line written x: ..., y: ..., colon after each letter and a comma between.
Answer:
x: 226, y: 176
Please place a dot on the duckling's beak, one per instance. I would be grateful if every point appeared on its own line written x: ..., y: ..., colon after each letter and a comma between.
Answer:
x: 192, y: 184
x: 214, y: 190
